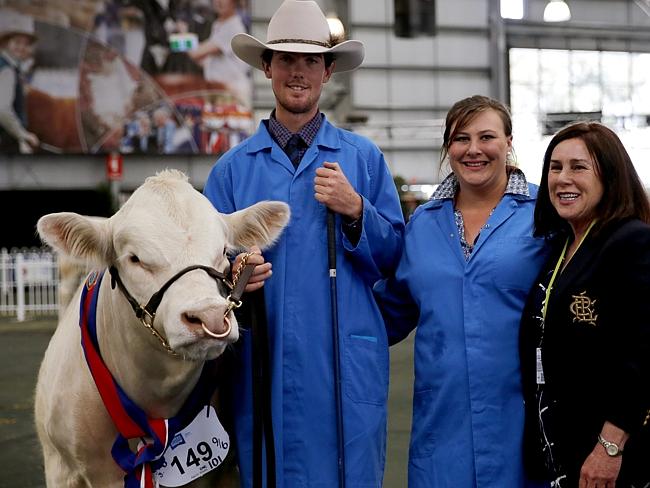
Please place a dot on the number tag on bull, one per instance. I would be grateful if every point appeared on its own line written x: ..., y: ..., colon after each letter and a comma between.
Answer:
x: 196, y: 450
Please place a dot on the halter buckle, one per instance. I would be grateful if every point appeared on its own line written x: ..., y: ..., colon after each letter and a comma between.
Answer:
x: 232, y: 304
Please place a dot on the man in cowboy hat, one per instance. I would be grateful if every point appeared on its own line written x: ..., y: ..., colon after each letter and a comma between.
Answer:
x: 16, y: 46
x: 299, y: 157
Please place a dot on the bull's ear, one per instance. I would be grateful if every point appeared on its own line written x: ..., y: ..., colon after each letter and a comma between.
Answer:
x: 258, y: 225
x: 85, y: 238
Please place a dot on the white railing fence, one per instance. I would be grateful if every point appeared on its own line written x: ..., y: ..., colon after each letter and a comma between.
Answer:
x: 29, y: 282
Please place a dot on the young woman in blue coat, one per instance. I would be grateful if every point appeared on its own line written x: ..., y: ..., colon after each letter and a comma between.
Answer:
x: 468, y: 262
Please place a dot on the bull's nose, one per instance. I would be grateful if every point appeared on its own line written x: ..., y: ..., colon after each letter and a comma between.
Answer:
x: 211, y: 322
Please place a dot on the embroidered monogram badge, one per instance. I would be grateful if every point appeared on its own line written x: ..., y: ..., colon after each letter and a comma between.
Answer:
x: 582, y: 308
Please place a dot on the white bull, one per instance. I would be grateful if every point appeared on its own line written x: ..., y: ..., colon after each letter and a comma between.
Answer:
x: 163, y: 228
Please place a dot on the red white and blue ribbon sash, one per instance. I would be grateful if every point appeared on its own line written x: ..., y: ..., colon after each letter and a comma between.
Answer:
x: 129, y: 419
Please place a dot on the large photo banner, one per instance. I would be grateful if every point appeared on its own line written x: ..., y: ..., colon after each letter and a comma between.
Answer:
x: 128, y: 76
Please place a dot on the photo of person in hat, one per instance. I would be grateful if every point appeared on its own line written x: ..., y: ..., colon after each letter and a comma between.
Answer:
x: 17, y: 41
x: 298, y: 156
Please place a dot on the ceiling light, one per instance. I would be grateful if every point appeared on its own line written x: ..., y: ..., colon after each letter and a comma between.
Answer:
x: 557, y: 11
x: 512, y: 9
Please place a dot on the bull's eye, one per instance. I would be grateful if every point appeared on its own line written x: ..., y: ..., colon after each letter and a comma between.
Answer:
x: 134, y: 259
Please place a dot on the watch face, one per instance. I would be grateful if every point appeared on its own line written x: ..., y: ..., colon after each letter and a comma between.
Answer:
x: 612, y: 449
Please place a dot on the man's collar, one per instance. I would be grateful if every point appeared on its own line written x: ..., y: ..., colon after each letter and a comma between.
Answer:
x: 307, y: 132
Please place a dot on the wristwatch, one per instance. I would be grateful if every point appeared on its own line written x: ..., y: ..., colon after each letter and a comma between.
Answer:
x: 611, y: 448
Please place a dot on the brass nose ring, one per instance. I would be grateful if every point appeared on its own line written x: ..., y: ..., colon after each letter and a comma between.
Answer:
x: 222, y: 335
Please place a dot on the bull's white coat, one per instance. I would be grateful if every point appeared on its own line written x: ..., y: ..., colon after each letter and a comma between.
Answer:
x: 164, y: 227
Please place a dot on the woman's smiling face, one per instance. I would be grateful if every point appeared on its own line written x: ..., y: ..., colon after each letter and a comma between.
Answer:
x: 574, y: 184
x: 478, y: 151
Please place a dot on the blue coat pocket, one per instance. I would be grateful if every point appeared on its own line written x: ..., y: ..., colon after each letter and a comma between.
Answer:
x: 365, y: 369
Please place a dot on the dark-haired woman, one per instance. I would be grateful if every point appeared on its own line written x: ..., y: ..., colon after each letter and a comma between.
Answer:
x: 586, y: 328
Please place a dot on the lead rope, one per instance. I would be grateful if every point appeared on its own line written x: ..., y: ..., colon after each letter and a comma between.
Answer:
x: 261, y: 374
x: 262, y: 413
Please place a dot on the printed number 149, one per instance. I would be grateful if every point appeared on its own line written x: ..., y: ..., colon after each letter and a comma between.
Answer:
x: 204, y: 450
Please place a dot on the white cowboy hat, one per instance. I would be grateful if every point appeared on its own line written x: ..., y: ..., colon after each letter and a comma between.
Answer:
x: 298, y: 26
x: 12, y: 23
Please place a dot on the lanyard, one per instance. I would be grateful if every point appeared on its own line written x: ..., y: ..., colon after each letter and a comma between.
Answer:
x: 557, y: 268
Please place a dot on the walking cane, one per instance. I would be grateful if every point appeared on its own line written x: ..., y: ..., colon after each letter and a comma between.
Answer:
x: 331, y: 259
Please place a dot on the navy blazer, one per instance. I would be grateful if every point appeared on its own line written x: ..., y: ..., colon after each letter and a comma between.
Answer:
x: 595, y: 349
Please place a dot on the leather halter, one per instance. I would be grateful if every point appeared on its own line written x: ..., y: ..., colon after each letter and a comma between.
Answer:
x: 147, y: 313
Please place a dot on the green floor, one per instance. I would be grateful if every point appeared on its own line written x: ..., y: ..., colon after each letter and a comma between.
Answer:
x: 21, y: 349
x: 399, y: 413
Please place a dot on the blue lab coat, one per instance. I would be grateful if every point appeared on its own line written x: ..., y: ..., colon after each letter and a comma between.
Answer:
x: 468, y: 412
x: 298, y: 308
